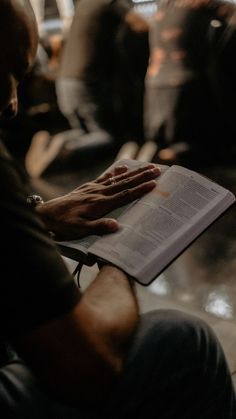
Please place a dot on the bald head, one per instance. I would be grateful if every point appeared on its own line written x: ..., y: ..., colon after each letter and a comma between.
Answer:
x: 14, y: 7
x: 17, y: 19
x: 18, y: 45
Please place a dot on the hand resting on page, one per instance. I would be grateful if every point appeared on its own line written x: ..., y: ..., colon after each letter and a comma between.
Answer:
x: 80, y: 212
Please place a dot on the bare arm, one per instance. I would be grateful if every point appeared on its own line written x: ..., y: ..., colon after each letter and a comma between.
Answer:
x: 79, y: 356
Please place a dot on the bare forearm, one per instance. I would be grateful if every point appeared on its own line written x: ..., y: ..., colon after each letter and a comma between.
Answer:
x: 79, y: 355
x: 111, y: 305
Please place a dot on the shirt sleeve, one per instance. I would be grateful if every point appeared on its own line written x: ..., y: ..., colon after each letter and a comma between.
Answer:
x: 35, y: 285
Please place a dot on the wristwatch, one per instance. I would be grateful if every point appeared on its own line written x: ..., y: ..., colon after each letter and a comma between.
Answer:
x: 34, y: 200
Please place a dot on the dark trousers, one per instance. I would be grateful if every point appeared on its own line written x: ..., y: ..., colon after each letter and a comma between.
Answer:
x: 175, y: 369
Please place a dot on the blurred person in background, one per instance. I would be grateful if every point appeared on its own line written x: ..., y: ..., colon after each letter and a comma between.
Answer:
x: 37, y: 107
x: 100, y: 84
x: 190, y: 82
x: 88, y: 66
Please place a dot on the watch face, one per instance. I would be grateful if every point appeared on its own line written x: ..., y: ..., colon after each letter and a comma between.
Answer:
x: 34, y: 200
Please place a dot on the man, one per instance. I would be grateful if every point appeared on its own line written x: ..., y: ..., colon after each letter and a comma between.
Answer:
x: 97, y: 72
x: 190, y: 82
x: 90, y: 351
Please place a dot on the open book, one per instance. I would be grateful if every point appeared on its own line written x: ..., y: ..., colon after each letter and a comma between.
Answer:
x: 156, y: 228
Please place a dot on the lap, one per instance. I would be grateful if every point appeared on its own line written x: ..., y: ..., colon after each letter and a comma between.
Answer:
x: 175, y: 368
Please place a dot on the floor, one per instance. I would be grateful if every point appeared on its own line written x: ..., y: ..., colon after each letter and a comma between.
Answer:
x: 202, y: 281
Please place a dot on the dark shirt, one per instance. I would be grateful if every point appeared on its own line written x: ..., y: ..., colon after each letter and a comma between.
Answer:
x: 35, y: 285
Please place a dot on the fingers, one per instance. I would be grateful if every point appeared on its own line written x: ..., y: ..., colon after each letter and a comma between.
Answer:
x: 122, y: 173
x: 132, y: 173
x: 117, y: 171
x: 123, y: 182
x: 84, y: 227
x: 100, y: 226
x: 120, y: 169
x: 129, y: 195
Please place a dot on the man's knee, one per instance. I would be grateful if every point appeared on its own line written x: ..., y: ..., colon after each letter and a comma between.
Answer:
x: 181, y: 342
x: 178, y: 356
x: 176, y: 327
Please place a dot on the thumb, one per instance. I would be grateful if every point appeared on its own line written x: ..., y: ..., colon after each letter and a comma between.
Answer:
x: 102, y: 226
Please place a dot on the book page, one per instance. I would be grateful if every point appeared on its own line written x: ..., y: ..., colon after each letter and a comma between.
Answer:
x: 163, y: 223
x: 78, y: 249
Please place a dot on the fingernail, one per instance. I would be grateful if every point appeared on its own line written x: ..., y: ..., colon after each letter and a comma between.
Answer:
x: 156, y: 170
x: 112, y: 224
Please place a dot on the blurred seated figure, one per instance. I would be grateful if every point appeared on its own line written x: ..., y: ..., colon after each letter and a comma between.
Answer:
x: 38, y: 109
x: 190, y: 83
x: 107, y: 44
x: 100, y: 84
